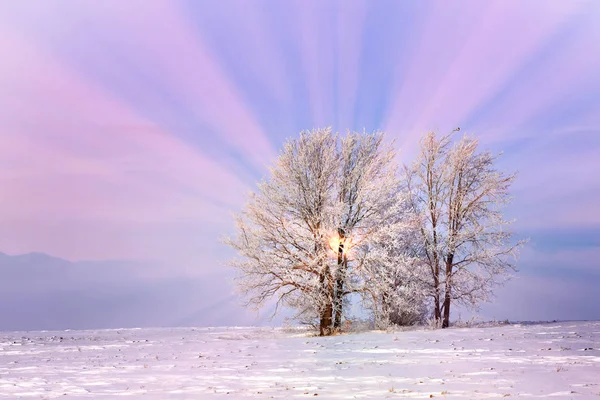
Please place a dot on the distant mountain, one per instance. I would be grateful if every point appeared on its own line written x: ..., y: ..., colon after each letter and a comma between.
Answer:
x: 41, y: 292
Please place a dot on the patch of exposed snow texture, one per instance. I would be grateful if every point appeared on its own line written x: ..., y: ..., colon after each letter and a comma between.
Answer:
x: 558, y: 360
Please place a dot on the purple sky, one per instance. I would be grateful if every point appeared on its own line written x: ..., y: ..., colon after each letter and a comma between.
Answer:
x: 133, y: 129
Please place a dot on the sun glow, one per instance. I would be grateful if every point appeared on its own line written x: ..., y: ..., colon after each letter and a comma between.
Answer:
x: 334, y: 243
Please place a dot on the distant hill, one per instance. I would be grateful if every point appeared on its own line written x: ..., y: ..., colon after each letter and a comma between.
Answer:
x: 38, y: 291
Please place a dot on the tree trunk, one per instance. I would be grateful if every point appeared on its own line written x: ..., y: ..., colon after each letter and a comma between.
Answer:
x: 326, y: 317
x: 342, y: 263
x: 325, y: 322
x: 437, y: 312
x: 337, y: 324
x: 446, y: 321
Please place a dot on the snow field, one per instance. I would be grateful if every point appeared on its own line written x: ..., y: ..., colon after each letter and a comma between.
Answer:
x: 560, y: 360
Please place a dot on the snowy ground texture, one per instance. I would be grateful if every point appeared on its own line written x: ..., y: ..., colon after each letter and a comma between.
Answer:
x: 559, y: 360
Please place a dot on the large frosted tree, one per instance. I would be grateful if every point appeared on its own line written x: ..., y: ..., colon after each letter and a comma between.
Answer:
x: 458, y: 195
x: 322, y: 226
x: 368, y: 207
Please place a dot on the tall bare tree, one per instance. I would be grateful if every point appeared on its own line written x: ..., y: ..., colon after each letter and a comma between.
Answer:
x: 459, y: 195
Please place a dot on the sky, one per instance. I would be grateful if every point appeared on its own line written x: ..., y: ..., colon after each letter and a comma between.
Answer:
x: 132, y: 130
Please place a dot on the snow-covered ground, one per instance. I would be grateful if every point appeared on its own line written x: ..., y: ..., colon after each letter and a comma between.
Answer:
x: 561, y: 360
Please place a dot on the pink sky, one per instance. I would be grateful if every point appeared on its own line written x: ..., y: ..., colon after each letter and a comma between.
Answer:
x: 132, y: 130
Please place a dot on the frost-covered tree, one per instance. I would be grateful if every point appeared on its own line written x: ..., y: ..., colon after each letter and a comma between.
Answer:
x: 311, y: 235
x: 393, y: 290
x: 466, y: 245
x: 368, y: 196
x: 283, y: 231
